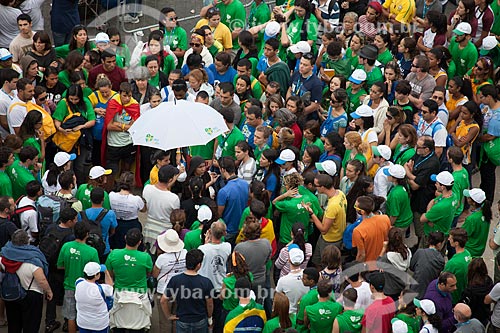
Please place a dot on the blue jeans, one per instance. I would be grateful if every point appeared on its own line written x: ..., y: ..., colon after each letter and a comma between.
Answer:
x: 197, y: 327
x: 60, y: 38
x: 84, y: 330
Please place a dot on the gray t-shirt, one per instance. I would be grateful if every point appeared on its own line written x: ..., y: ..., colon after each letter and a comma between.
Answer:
x: 421, y: 89
x: 120, y: 139
x: 214, y: 262
x: 495, y: 296
x: 257, y: 253
x: 217, y: 105
x: 472, y: 326
x: 426, y: 264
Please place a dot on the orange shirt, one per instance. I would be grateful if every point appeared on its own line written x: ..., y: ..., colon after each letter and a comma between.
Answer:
x: 370, y: 236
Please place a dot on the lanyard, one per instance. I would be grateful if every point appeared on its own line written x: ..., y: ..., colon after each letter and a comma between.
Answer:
x: 424, y: 129
x: 11, y: 98
x: 422, y: 161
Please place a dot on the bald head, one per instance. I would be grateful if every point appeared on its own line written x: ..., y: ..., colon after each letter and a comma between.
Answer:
x: 218, y: 229
x: 462, y: 312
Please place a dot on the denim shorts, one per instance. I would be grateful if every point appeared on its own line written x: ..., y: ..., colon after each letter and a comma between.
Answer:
x: 69, y: 305
x: 197, y: 327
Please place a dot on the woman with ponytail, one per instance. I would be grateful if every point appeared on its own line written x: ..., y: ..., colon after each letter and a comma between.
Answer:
x: 426, y: 309
x: 238, y: 268
x: 477, y: 224
x: 196, y: 236
x: 298, y: 238
x: 280, y: 318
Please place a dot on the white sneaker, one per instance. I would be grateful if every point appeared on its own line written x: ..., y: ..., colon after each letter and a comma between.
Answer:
x: 140, y: 13
x: 129, y: 19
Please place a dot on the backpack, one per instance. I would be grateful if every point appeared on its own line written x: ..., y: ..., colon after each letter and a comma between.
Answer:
x: 15, y: 217
x: 95, y: 234
x: 51, y: 243
x: 49, y: 207
x: 11, y: 288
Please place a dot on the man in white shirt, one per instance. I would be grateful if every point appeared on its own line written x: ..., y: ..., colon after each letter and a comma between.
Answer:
x: 29, y: 218
x: 17, y: 109
x: 291, y: 284
x: 8, y: 80
x: 382, y: 157
x: 431, y: 125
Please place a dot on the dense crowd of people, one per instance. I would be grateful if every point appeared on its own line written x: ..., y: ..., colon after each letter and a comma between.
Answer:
x: 351, y: 127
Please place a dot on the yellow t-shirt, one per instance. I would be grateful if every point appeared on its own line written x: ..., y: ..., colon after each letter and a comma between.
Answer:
x: 451, y: 105
x: 336, y: 210
x: 153, y: 175
x: 403, y: 9
x: 222, y: 34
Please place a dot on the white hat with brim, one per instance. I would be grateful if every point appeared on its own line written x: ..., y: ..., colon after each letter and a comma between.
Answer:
x: 444, y: 178
x: 327, y: 166
x: 286, y: 155
x: 475, y: 194
x: 99, y: 171
x: 170, y: 242
x: 362, y: 111
x: 300, y: 47
x: 463, y: 28
x: 396, y: 171
x: 425, y: 304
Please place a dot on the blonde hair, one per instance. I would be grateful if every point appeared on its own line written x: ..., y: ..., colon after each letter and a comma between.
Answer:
x: 199, y: 75
x: 293, y: 180
x: 354, y: 139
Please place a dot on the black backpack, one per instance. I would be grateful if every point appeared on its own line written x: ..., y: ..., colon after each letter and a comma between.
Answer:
x: 15, y: 217
x: 51, y: 243
x: 95, y: 238
x: 11, y: 288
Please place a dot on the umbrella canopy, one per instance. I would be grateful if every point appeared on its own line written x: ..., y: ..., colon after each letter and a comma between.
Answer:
x: 177, y: 124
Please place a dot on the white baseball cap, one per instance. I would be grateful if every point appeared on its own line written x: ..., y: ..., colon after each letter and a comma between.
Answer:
x: 204, y: 213
x: 62, y: 158
x: 327, y: 166
x: 102, y: 37
x: 383, y: 151
x: 296, y: 255
x: 425, y: 304
x: 396, y: 171
x: 272, y: 30
x: 399, y: 326
x: 301, y: 46
x: 358, y: 76
x: 489, y: 43
x: 475, y: 194
x: 5, y: 54
x: 287, y: 155
x: 98, y: 171
x: 362, y: 111
x: 444, y: 178
x: 463, y: 28
x: 92, y: 268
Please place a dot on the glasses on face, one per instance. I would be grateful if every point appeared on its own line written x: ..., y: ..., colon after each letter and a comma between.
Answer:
x: 173, y: 18
x: 388, y: 116
x: 413, y: 65
x: 114, y: 40
x: 479, y: 67
x: 333, y: 101
x: 41, y: 99
x: 437, y: 97
x: 213, y: 10
x: 308, y: 56
x: 195, y: 44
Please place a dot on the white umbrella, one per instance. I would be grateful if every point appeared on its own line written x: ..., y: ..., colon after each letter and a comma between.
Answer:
x: 177, y: 124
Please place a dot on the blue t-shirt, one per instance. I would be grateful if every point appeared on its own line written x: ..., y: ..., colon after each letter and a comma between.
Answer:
x: 108, y: 222
x: 228, y: 76
x: 234, y: 198
x: 272, y: 186
x: 302, y: 85
x: 494, y: 123
x: 347, y: 236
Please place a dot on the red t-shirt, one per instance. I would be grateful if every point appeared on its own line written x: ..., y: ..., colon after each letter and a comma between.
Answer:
x: 378, y: 315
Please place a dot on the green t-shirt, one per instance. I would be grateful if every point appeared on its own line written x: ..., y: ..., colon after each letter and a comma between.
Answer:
x: 123, y: 52
x: 274, y: 323
x: 459, y: 265
x: 373, y: 76
x: 64, y: 78
x: 63, y: 50
x: 461, y: 183
x: 398, y: 204
x: 258, y: 153
x: 354, y: 99
x: 401, y: 156
x: 205, y: 151
x: 350, y: 321
x: 227, y: 143
x: 130, y: 269
x: 317, y: 143
x: 83, y: 195
x: 495, y: 8
x: 176, y: 39
x: 258, y: 15
x: 19, y: 177
x: 61, y: 111
x: 5, y: 184
x: 292, y: 212
x: 413, y: 323
x: 233, y: 15
x: 73, y: 258
x: 322, y: 315
x: 477, y: 231
x: 353, y: 58
x: 230, y: 301
x: 341, y: 66
x: 308, y: 299
x: 255, y: 85
x: 441, y: 214
x: 168, y: 66
x: 465, y: 58
x: 385, y: 57
x: 347, y: 157
x: 294, y: 29
x: 192, y: 239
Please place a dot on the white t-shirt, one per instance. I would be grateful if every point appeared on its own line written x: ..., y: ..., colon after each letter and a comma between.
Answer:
x: 160, y: 204
x: 428, y: 328
x: 213, y: 266
x: 291, y: 285
x: 16, y: 114
x: 49, y: 189
x: 25, y: 274
x: 381, y: 183
x: 29, y: 219
x: 8, y: 24
x: 439, y: 134
x: 125, y: 206
x: 171, y: 263
x: 5, y: 100
x: 34, y: 9
x: 92, y: 312
x: 364, y: 295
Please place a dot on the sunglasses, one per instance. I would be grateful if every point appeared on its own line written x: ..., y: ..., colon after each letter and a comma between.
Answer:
x: 333, y: 101
x: 308, y: 56
x: 480, y: 68
x: 41, y: 99
x: 173, y: 18
x: 413, y: 65
x: 388, y: 116
x: 213, y: 10
x: 195, y: 44
x: 114, y: 40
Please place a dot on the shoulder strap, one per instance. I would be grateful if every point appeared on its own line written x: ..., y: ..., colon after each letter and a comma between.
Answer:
x: 173, y: 266
x: 101, y: 291
x: 101, y: 215
x: 16, y: 104
x: 435, y: 127
x: 84, y: 216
